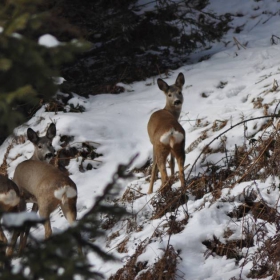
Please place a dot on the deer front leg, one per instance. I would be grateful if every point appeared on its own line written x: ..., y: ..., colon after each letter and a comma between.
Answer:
x: 11, y: 246
x: 24, y: 235
x: 45, y: 214
x: 48, y: 228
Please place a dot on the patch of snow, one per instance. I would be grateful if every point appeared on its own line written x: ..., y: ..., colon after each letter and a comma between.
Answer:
x: 48, y: 40
x: 18, y: 219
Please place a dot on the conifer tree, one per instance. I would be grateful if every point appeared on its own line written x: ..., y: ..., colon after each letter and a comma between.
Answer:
x: 27, y: 68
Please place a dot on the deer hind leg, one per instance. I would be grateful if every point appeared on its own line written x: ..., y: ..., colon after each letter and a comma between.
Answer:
x: 3, y: 237
x: 179, y: 153
x: 69, y: 209
x: 70, y: 213
x: 16, y: 233
x: 45, y: 213
x: 162, y: 155
x: 11, y: 246
x: 153, y: 174
x: 3, y: 241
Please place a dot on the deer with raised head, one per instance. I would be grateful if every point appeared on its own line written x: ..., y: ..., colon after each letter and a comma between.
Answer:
x: 166, y: 134
x: 44, y: 184
x: 10, y: 202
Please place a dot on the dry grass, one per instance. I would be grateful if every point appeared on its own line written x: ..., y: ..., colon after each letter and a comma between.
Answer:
x: 132, y: 267
x: 164, y: 268
x: 16, y: 141
x: 4, y: 166
x: 175, y: 226
x: 122, y: 246
x: 231, y: 249
x: 266, y: 260
x: 131, y: 194
x: 83, y: 151
x: 218, y: 125
x: 108, y: 222
x: 167, y: 201
x: 195, y: 143
x: 256, y: 159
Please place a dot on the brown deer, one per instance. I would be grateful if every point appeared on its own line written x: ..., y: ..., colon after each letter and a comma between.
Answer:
x: 166, y: 134
x: 43, y: 184
x: 10, y: 202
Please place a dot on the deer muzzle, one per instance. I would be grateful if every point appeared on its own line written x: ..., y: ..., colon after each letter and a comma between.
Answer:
x: 177, y: 102
x: 48, y: 156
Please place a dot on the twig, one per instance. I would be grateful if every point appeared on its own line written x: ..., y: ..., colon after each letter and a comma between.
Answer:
x: 275, y: 85
x: 276, y: 108
x: 238, y: 44
x: 254, y: 163
x: 130, y: 188
x: 174, y: 200
x: 100, y: 161
x: 266, y: 76
x: 85, y: 142
x: 273, y: 42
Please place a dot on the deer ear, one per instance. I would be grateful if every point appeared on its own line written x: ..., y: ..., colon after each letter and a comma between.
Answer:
x: 51, y: 132
x: 162, y: 85
x: 32, y: 136
x: 180, y: 80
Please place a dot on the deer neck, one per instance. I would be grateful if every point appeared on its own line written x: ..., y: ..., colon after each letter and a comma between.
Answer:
x: 174, y: 111
x: 35, y: 157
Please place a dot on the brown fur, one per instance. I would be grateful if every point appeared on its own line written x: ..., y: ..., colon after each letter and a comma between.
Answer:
x: 160, y: 123
x: 6, y: 186
x: 37, y: 181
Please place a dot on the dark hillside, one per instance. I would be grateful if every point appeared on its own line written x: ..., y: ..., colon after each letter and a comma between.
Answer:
x: 131, y: 41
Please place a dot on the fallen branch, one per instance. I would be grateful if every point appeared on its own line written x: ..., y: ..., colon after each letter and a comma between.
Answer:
x: 238, y: 44
x: 273, y: 41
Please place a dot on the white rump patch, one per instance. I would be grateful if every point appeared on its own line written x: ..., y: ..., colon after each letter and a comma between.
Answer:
x: 65, y: 192
x: 171, y: 137
x: 10, y: 198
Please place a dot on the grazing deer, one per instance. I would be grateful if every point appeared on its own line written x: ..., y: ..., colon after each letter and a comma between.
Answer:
x: 166, y: 134
x: 44, y: 184
x: 10, y: 202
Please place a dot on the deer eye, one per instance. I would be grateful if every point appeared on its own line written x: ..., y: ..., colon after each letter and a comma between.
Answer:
x: 180, y: 92
x: 169, y: 95
x: 39, y: 146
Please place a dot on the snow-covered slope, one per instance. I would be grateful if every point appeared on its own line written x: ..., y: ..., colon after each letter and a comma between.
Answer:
x: 224, y: 89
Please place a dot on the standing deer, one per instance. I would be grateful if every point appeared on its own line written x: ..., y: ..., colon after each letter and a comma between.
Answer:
x: 10, y: 201
x: 43, y: 184
x: 166, y: 134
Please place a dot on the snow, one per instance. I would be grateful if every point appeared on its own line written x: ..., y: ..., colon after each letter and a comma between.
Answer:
x: 223, y: 88
x: 48, y: 40
x: 18, y: 219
